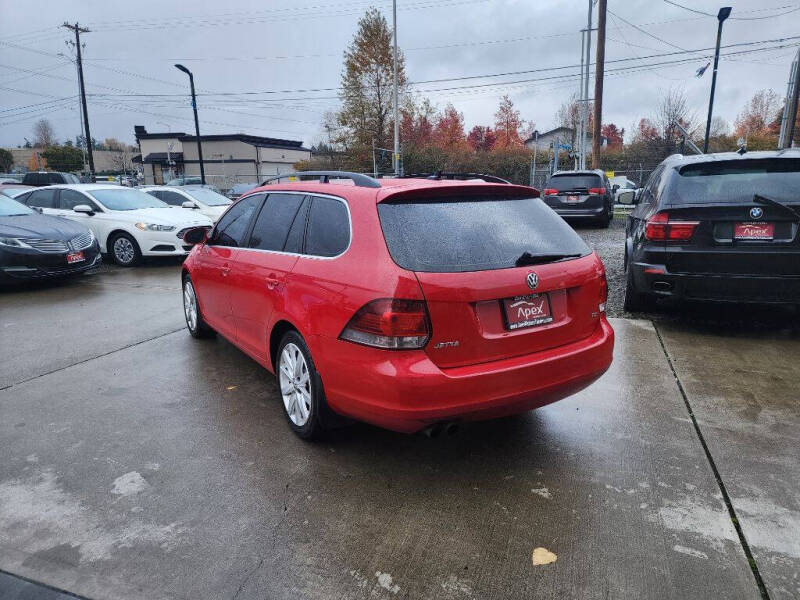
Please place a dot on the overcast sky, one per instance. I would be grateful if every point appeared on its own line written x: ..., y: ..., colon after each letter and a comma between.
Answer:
x: 293, y: 47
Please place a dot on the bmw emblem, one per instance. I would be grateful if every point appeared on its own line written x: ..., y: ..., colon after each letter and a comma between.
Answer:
x: 532, y: 280
x: 756, y: 212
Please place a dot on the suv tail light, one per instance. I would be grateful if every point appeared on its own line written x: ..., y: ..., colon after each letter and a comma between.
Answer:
x: 601, y: 306
x: 660, y: 228
x: 390, y: 323
x: 600, y: 191
x: 549, y: 192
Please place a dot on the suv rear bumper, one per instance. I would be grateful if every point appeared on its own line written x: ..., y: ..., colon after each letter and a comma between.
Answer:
x: 405, y: 391
x: 580, y: 213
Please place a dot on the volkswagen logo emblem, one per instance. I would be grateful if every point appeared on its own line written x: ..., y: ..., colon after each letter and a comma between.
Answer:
x: 756, y: 212
x: 532, y: 280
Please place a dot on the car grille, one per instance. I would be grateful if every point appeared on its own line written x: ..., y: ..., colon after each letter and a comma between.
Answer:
x: 49, y: 246
x: 83, y: 241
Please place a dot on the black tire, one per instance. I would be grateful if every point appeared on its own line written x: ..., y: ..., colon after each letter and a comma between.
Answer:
x: 198, y: 328
x: 636, y: 301
x: 605, y: 220
x: 312, y: 403
x: 124, y: 250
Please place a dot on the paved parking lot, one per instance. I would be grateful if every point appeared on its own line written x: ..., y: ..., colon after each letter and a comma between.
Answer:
x: 140, y: 463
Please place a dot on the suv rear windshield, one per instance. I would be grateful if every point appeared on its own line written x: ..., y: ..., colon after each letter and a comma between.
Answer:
x: 460, y: 234
x: 574, y: 182
x: 736, y: 181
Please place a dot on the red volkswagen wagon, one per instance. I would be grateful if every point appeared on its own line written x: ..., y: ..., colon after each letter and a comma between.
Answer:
x: 406, y: 303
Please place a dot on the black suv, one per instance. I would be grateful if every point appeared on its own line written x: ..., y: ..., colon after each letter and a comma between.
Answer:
x: 718, y: 227
x: 581, y: 195
x: 40, y: 178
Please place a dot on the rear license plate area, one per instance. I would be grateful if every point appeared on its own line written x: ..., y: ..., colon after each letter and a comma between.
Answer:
x: 754, y: 231
x: 573, y: 199
x: 527, y: 311
x: 75, y: 257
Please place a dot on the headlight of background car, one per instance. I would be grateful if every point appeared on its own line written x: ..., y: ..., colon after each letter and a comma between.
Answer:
x: 154, y: 227
x: 13, y: 242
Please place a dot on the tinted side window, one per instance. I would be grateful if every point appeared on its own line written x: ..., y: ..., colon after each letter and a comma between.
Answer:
x: 42, y: 199
x: 232, y: 227
x: 172, y: 198
x: 294, y: 241
x: 274, y: 221
x: 70, y: 199
x: 156, y: 193
x: 328, y: 227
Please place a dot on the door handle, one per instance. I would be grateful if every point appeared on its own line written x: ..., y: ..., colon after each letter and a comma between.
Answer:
x: 272, y: 281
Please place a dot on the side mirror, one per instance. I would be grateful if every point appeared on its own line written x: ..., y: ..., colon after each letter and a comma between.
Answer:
x: 38, y: 209
x: 188, y: 204
x: 614, y: 188
x: 628, y: 197
x: 83, y: 208
x: 196, y: 235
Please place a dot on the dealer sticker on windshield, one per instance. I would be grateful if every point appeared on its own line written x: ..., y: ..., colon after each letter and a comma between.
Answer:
x: 527, y: 311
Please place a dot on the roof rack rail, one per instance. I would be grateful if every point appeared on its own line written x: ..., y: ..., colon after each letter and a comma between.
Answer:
x: 358, y: 179
x: 438, y: 175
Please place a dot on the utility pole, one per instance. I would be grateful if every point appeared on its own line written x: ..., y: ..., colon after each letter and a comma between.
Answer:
x: 579, y: 133
x: 790, y: 107
x: 598, y: 83
x: 78, y: 31
x: 398, y: 161
x: 535, y: 148
x: 723, y: 14
x: 585, y: 111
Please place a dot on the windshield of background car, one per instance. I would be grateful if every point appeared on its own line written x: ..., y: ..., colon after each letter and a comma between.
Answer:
x: 736, y: 181
x: 574, y: 182
x: 126, y: 199
x: 12, y: 208
x: 473, y: 233
x: 208, y: 197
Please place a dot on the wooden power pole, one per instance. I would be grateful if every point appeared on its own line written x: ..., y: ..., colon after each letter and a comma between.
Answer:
x: 78, y: 31
x: 598, y: 83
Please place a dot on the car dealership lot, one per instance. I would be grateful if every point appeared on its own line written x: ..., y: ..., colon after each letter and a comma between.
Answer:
x: 140, y: 463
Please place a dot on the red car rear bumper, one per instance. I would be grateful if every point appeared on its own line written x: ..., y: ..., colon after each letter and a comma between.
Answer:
x: 405, y: 391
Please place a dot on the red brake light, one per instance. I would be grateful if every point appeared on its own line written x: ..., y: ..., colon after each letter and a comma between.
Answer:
x: 390, y: 323
x: 603, y: 293
x: 597, y: 190
x: 550, y: 191
x: 660, y: 228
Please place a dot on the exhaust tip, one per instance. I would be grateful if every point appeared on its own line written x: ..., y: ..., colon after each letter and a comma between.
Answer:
x: 451, y: 428
x: 662, y: 286
x: 433, y: 431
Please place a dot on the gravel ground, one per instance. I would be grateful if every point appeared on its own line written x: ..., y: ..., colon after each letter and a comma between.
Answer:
x: 609, y: 245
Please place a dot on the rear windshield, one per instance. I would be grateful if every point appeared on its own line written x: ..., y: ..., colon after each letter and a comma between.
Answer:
x: 574, y: 182
x: 737, y: 181
x: 473, y: 233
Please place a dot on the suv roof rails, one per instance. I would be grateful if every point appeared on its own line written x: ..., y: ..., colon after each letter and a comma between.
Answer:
x: 438, y: 175
x: 325, y: 177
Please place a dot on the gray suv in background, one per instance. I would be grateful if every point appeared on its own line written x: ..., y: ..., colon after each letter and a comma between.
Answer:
x: 581, y: 195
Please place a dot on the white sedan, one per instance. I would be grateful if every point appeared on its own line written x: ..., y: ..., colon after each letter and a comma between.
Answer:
x: 127, y: 222
x: 195, y: 197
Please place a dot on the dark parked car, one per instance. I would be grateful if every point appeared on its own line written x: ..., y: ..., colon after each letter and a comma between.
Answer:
x: 33, y: 245
x: 581, y: 195
x: 40, y: 178
x: 718, y: 227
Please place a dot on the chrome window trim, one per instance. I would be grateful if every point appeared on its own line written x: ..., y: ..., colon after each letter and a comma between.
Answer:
x: 299, y: 254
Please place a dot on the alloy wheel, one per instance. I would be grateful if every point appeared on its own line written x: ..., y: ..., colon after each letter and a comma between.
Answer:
x: 124, y: 251
x: 295, y: 383
x: 190, y: 305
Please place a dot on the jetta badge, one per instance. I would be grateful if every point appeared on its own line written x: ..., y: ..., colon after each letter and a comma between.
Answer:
x: 756, y: 212
x: 532, y: 280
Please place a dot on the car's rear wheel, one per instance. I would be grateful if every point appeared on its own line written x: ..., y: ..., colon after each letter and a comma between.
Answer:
x: 195, y: 323
x: 300, y: 386
x: 124, y: 250
x: 635, y: 301
x: 608, y: 216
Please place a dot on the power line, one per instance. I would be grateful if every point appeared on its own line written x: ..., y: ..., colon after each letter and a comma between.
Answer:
x: 655, y: 37
x: 794, y: 8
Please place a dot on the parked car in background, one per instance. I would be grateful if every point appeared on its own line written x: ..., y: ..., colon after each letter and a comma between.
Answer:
x: 11, y: 177
x: 185, y: 180
x: 127, y: 222
x: 581, y: 195
x: 621, y: 184
x: 720, y: 227
x: 14, y: 189
x: 35, y: 246
x: 40, y: 178
x: 409, y: 304
x: 193, y: 197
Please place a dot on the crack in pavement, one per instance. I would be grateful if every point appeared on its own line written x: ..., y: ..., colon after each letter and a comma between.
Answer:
x: 762, y: 588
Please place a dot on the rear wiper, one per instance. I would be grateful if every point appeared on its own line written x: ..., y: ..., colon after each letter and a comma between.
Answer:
x: 526, y: 258
x: 758, y: 198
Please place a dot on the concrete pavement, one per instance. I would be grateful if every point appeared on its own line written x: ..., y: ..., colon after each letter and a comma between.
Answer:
x: 158, y: 466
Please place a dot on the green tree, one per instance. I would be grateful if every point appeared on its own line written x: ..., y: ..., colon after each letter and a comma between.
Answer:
x: 6, y: 160
x: 63, y: 158
x: 367, y: 88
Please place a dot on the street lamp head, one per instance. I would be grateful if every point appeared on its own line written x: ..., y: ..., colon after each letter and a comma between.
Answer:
x: 724, y: 13
x: 188, y: 72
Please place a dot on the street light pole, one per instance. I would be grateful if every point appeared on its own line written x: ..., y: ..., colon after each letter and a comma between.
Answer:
x: 196, y: 122
x: 398, y: 162
x: 723, y: 14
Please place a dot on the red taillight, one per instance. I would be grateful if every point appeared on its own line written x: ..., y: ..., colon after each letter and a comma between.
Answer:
x: 603, y: 293
x: 597, y: 190
x: 660, y: 228
x: 390, y: 323
x: 549, y: 191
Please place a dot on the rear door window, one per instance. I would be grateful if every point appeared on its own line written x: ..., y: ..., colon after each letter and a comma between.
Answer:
x: 232, y: 227
x: 568, y: 183
x: 462, y: 234
x: 328, y: 227
x: 42, y: 198
x: 275, y: 220
x: 172, y: 198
